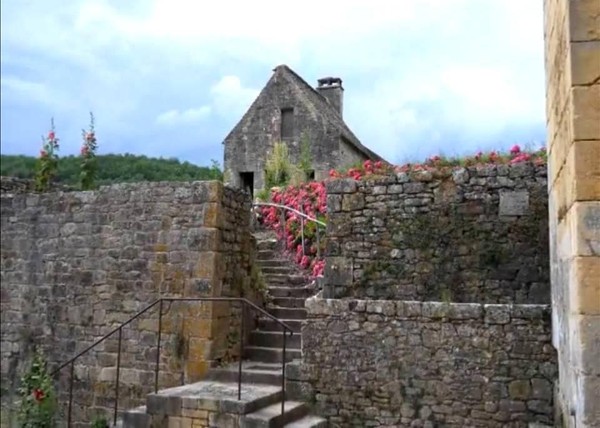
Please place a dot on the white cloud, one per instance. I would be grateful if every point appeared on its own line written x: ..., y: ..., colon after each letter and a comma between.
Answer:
x: 230, y: 97
x: 24, y: 90
x: 176, y: 117
x: 416, y: 72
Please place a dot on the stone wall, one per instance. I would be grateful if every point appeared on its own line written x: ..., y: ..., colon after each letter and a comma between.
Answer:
x: 479, y: 234
x: 77, y: 264
x: 17, y: 185
x: 425, y: 364
x: 572, y: 48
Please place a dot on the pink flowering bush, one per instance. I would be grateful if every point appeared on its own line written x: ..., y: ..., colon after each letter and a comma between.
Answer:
x: 311, y: 198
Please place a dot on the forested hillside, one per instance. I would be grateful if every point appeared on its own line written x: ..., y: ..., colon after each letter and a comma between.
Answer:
x: 115, y: 169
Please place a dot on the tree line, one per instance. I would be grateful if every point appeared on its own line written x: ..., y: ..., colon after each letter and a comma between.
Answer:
x: 114, y: 168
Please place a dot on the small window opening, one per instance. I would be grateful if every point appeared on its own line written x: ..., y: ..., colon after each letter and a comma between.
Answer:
x: 287, y: 123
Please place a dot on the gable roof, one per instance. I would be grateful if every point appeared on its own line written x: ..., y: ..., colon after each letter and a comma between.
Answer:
x: 320, y: 103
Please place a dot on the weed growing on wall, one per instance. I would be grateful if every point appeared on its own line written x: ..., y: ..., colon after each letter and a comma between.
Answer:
x: 47, y: 162
x: 37, y: 407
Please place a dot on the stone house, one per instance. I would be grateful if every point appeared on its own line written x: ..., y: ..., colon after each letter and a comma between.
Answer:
x: 289, y: 110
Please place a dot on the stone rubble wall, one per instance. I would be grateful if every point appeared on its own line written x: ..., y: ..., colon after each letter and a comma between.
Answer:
x: 374, y: 363
x: 479, y: 234
x: 77, y: 264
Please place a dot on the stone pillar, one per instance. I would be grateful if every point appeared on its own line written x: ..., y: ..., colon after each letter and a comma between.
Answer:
x: 572, y: 45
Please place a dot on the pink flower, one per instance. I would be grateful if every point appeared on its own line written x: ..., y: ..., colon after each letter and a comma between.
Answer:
x: 515, y: 149
x: 51, y: 135
x: 43, y: 153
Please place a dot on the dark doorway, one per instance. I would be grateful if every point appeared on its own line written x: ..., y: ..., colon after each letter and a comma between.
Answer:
x: 247, y: 181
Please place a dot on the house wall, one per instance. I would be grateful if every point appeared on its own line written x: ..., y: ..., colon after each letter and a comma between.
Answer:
x: 248, y: 146
x: 572, y: 41
x: 75, y: 265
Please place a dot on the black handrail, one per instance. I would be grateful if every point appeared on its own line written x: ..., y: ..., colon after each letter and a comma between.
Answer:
x: 245, y: 302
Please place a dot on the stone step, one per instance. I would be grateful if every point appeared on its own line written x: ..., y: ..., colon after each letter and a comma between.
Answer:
x: 271, y: 416
x: 270, y: 355
x: 274, y: 339
x: 269, y: 324
x: 210, y: 394
x: 287, y: 313
x: 282, y: 279
x: 252, y: 372
x: 266, y: 244
x: 283, y: 291
x: 286, y: 269
x: 273, y: 262
x: 288, y: 302
x: 135, y: 418
x: 308, y: 421
x: 269, y: 255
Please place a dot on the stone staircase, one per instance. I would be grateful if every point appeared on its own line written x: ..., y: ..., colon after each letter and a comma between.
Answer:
x: 288, y: 288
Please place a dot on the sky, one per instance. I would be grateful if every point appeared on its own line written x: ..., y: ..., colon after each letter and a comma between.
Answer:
x: 170, y: 78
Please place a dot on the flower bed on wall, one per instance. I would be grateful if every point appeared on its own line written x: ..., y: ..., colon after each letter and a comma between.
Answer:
x: 311, y: 198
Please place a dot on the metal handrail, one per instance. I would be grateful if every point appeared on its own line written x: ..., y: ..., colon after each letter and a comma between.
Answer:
x: 295, y: 211
x: 303, y: 217
x: 245, y: 302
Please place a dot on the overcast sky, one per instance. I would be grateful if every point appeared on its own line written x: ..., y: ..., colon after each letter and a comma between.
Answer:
x: 171, y: 77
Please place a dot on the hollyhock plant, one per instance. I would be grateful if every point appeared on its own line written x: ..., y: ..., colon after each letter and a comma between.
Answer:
x: 38, y: 404
x: 89, y: 165
x: 47, y: 162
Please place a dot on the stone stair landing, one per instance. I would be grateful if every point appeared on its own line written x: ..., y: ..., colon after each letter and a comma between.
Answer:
x: 213, y: 402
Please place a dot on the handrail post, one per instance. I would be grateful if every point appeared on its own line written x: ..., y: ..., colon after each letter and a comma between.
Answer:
x: 70, y: 393
x: 302, y: 233
x: 117, y: 380
x: 241, y: 352
x: 156, y: 369
x: 318, y: 241
x: 283, y: 373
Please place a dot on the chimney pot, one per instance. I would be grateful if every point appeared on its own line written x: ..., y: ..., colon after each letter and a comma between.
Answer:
x: 331, y: 88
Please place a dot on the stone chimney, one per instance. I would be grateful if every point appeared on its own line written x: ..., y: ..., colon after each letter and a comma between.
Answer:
x: 331, y: 88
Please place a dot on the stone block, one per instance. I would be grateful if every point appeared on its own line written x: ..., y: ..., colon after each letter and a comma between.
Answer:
x: 213, y: 215
x: 586, y: 112
x: 353, y: 202
x: 587, y: 403
x: 585, y: 343
x: 344, y: 185
x: 338, y: 271
x: 584, y: 20
x: 514, y: 203
x: 585, y: 62
x: 584, y: 293
x: 207, y: 191
x: 497, y: 314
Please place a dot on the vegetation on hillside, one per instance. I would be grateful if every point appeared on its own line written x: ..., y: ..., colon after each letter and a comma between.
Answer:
x: 114, y: 169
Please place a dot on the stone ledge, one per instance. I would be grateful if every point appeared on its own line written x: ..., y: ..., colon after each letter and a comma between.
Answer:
x: 490, y: 313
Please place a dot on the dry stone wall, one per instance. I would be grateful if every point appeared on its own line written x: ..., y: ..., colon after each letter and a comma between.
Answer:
x: 478, y: 234
x: 77, y: 264
x: 373, y: 363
